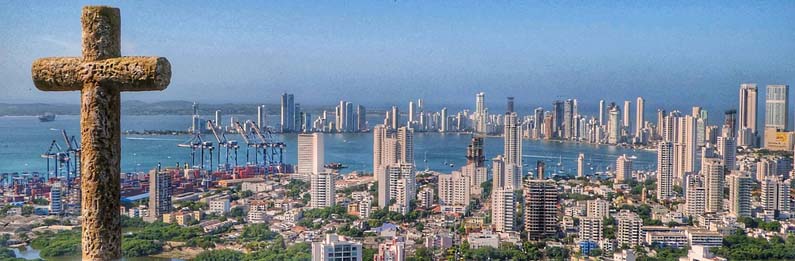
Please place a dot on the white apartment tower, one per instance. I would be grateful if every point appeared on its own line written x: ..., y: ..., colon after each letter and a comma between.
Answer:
x: 740, y: 185
x: 623, y: 169
x: 310, y: 153
x: 713, y: 172
x: 322, y: 190
x: 665, y: 170
x: 639, y: 119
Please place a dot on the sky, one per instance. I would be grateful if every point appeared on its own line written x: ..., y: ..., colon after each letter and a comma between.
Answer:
x: 383, y: 52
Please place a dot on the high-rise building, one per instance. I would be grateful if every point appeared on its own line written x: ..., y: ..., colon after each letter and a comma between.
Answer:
x: 322, y: 190
x: 775, y: 194
x: 310, y: 153
x: 217, y: 118
x: 503, y: 210
x: 597, y: 208
x: 395, y: 117
x: 513, y: 141
x: 159, y: 194
x: 398, y: 183
x: 740, y: 186
x: 454, y: 189
x: 747, y: 112
x: 639, y: 117
x: 557, y: 118
x: 581, y: 165
x: 623, y: 169
x: 56, y: 206
x: 336, y: 248
x: 412, y: 113
x: 601, y: 112
x: 685, y: 146
x: 629, y: 228
x: 261, y: 117
x: 445, y: 121
x: 727, y: 150
x: 540, y: 169
x: 776, y: 106
x: 613, y: 126
x: 626, y: 123
x: 713, y: 172
x: 730, y: 123
x: 695, y: 195
x: 405, y: 139
x: 475, y: 152
x: 287, y: 120
x: 361, y: 118
x: 509, y: 105
x: 665, y: 170
x: 568, y: 119
x: 540, y: 211
x: 591, y: 229
x: 481, y: 113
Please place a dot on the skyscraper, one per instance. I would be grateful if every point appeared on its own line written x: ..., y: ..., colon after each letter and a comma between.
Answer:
x: 393, y: 159
x: 412, y: 115
x: 581, y: 165
x: 568, y: 119
x: 261, y: 116
x: 361, y: 118
x: 639, y: 117
x: 287, y: 113
x: 310, y: 153
x: 557, y: 118
x: 613, y: 126
x: 695, y: 195
x: 665, y: 170
x: 740, y: 185
x: 475, y: 152
x: 747, y: 111
x: 776, y: 107
x: 509, y: 105
x: 623, y: 169
x: 503, y: 210
x: 159, y: 194
x: 480, y: 113
x: 626, y: 123
x: 727, y: 150
x: 540, y: 210
x: 713, y: 172
x: 601, y: 112
x: 513, y: 141
x: 322, y: 190
x: 444, y: 118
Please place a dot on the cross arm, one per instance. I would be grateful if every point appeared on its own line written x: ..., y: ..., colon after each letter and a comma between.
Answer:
x: 129, y: 73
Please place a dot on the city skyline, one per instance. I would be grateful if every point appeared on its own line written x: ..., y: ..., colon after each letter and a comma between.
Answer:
x: 398, y: 51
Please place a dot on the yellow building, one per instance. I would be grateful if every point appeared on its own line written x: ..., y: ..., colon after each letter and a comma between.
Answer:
x: 778, y: 140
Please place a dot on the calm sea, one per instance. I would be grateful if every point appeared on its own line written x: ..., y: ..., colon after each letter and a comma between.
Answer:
x: 24, y: 139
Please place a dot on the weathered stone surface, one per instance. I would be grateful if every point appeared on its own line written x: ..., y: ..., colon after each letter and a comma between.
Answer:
x: 132, y: 73
x: 101, y: 75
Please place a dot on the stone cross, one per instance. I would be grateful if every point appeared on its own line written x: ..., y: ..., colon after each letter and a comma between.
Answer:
x: 100, y: 76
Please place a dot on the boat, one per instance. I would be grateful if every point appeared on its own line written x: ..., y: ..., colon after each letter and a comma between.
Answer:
x: 334, y: 165
x: 46, y: 117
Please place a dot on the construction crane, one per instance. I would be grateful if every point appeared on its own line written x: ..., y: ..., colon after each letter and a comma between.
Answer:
x: 276, y: 148
x: 197, y: 143
x: 249, y: 143
x: 223, y: 142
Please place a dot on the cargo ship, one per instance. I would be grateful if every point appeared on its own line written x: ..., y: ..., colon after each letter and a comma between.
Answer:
x: 46, y: 117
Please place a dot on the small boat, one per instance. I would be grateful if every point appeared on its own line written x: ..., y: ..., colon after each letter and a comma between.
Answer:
x: 46, y: 117
x: 334, y: 165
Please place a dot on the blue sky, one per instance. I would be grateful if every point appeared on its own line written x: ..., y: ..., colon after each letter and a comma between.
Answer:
x: 381, y: 52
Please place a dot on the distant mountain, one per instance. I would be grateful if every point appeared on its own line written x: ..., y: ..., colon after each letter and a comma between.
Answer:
x: 135, y: 107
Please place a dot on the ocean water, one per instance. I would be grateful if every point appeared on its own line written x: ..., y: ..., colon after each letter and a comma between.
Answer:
x: 24, y: 139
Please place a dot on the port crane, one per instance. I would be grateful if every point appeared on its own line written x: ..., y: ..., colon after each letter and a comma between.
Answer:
x: 223, y: 142
x: 249, y: 143
x: 276, y: 147
x: 197, y: 143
